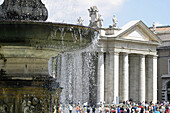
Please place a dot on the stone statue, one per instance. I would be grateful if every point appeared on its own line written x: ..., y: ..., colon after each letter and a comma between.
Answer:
x: 114, y: 21
x: 35, y: 101
x: 96, y: 19
x: 23, y: 10
x: 3, y: 108
x: 154, y: 27
x: 29, y: 108
x: 23, y: 105
x: 80, y: 21
x: 11, y: 108
x: 100, y: 21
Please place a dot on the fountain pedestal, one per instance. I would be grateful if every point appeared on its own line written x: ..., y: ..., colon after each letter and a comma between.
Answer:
x: 25, y: 49
x: 29, y: 96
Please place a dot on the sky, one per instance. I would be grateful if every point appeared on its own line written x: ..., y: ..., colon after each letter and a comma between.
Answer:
x: 148, y: 11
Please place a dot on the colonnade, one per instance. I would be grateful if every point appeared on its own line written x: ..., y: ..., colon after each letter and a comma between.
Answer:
x: 124, y: 76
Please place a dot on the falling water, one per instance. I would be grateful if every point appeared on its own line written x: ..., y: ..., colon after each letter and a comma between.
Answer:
x: 76, y: 72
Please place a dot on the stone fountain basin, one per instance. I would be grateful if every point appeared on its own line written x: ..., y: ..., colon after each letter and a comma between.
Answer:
x: 43, y: 36
x: 26, y: 46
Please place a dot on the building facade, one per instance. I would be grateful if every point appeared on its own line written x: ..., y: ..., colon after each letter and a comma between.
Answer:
x: 127, y: 64
x: 163, y: 63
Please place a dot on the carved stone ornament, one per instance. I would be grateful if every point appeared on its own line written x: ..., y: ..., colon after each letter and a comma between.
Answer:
x: 80, y: 21
x: 23, y: 10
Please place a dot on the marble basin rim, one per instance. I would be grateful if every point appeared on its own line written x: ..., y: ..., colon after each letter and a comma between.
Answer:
x: 48, y: 38
x: 27, y: 46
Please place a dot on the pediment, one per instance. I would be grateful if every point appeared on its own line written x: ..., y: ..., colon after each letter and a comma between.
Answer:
x: 138, y: 32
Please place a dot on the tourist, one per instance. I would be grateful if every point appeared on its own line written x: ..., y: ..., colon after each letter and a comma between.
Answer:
x: 77, y: 109
x: 160, y: 109
x: 93, y: 109
x: 61, y: 109
x: 112, y: 110
x: 85, y: 109
x: 167, y: 109
x: 88, y: 109
x: 138, y: 110
x: 142, y: 109
x: 122, y: 110
x: 132, y: 111
x: 154, y: 108
x: 81, y: 109
x: 157, y: 110
x: 70, y: 108
x: 106, y: 109
x: 163, y: 109
x: 118, y: 109
x: 127, y: 110
x: 100, y: 109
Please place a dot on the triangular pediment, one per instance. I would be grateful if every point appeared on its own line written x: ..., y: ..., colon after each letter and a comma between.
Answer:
x: 136, y: 34
x: 138, y: 31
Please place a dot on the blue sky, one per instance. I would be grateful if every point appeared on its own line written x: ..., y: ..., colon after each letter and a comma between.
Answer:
x: 148, y: 11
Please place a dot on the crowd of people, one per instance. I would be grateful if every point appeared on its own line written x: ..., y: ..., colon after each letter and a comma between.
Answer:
x: 125, y: 107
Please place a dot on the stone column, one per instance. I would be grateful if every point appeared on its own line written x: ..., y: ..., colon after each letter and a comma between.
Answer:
x: 115, y: 57
x: 151, y: 79
x: 112, y: 77
x: 125, y: 73
x: 107, y: 80
x: 100, y: 80
x: 133, y: 77
x: 155, y: 79
x: 142, y: 78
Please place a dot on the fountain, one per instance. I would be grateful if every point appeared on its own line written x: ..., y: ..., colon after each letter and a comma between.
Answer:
x: 26, y: 45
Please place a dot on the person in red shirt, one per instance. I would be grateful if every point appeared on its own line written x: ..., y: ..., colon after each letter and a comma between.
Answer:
x: 167, y: 110
x: 78, y: 109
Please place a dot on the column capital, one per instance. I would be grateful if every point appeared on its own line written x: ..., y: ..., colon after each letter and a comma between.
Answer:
x: 155, y: 56
x: 125, y: 54
x: 113, y: 52
x: 100, y: 53
x: 152, y: 55
x: 142, y: 55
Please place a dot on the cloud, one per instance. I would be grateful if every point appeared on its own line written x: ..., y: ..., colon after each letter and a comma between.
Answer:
x: 70, y: 10
x: 158, y: 24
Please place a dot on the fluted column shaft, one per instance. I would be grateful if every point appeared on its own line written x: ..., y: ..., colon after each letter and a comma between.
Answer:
x: 142, y: 78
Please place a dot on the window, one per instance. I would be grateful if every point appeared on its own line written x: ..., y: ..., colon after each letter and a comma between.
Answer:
x: 168, y: 66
